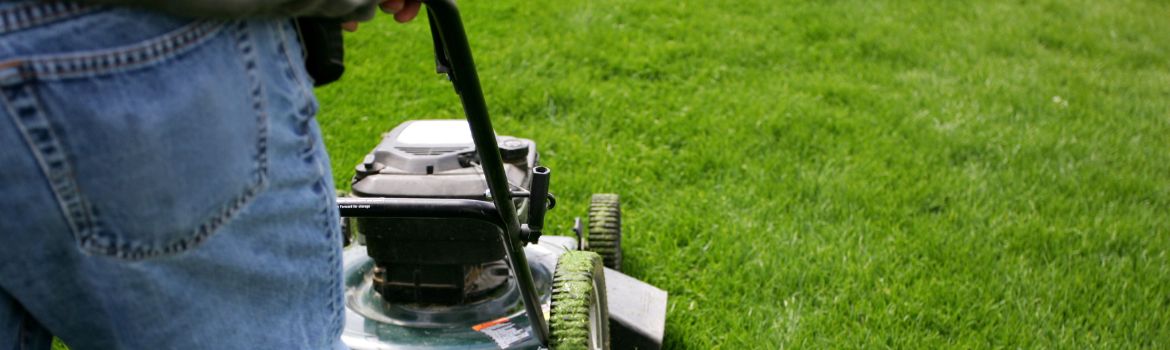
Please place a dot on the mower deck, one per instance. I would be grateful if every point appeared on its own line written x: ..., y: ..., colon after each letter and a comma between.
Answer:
x: 637, y: 310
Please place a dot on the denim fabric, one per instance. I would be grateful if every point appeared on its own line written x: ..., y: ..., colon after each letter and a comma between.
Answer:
x: 163, y: 184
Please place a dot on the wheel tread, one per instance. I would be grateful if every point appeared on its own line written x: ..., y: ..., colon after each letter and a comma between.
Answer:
x: 573, y: 284
x: 605, y: 228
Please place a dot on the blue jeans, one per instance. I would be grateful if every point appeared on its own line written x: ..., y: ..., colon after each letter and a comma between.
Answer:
x: 163, y: 184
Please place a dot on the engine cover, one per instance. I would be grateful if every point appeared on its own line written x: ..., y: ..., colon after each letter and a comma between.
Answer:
x: 437, y: 159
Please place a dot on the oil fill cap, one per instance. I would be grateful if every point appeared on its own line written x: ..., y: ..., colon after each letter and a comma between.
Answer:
x: 513, y: 149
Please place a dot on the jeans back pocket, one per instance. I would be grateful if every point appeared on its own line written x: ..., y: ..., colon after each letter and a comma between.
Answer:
x: 150, y: 146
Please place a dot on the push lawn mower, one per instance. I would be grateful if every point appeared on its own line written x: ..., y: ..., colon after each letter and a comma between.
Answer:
x: 447, y: 260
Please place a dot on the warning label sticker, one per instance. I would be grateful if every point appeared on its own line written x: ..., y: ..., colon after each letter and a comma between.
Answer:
x: 502, y: 331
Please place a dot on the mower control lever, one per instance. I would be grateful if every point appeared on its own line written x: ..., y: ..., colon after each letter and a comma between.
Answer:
x: 552, y: 198
x: 442, y: 63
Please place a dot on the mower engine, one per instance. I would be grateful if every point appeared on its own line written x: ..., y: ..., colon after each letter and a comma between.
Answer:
x: 432, y: 261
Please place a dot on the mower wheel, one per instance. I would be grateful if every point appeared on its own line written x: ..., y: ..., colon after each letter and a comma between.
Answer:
x: 605, y: 229
x: 579, y: 318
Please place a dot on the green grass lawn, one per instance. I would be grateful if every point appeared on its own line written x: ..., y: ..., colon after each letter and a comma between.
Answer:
x: 833, y: 174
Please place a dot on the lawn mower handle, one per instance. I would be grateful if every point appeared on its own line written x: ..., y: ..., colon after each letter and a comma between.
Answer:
x: 453, y: 57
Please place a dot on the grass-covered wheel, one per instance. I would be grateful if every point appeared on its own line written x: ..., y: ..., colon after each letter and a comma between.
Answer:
x: 579, y: 318
x: 605, y: 229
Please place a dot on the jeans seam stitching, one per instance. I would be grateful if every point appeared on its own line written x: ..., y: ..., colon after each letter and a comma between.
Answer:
x: 305, y: 116
x: 336, y: 318
x: 130, y: 57
x: 306, y: 111
x: 259, y: 107
x: 22, y: 16
x: 334, y: 282
x: 284, y: 45
x: 56, y: 170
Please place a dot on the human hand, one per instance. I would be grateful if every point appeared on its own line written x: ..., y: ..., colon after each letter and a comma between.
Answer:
x: 403, y: 11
